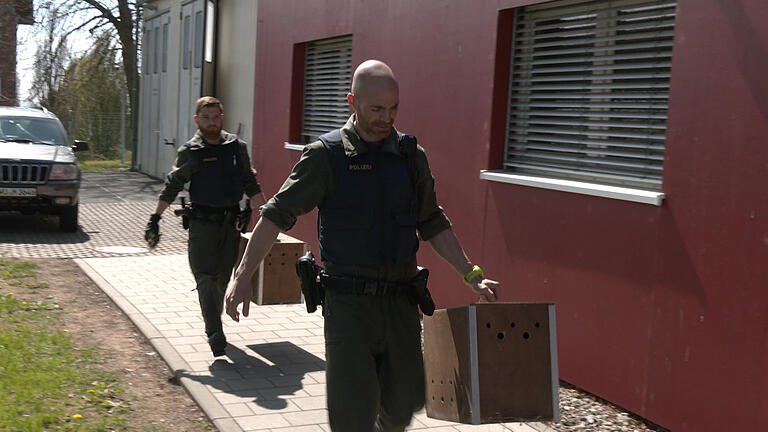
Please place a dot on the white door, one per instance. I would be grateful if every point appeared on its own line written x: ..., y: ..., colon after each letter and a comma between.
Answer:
x: 166, y: 150
x: 153, y: 98
x: 190, y: 74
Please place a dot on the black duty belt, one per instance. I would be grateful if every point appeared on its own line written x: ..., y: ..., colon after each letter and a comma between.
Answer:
x: 214, y: 214
x: 360, y: 286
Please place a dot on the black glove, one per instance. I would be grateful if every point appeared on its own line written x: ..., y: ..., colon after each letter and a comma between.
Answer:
x: 152, y: 231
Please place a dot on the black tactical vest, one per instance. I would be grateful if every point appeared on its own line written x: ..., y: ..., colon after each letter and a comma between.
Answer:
x: 370, y: 217
x: 217, y: 181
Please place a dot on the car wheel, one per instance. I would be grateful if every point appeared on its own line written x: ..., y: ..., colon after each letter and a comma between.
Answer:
x: 68, y: 219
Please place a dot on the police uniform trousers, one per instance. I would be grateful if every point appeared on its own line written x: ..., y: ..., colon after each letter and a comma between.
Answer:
x: 374, y: 362
x: 212, y: 251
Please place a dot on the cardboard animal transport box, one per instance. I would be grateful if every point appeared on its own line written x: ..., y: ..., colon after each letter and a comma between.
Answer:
x: 492, y: 363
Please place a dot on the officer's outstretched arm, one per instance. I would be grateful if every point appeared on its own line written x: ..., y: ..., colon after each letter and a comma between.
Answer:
x: 239, y: 289
x: 448, y: 247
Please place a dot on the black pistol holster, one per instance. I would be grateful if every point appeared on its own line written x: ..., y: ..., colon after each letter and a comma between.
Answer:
x: 184, y: 212
x: 309, y: 278
x: 421, y: 295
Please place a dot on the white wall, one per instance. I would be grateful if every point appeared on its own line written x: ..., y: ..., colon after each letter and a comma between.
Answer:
x: 236, y: 64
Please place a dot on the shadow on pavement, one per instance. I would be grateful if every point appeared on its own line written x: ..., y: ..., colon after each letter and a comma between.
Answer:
x: 251, y: 377
x: 16, y: 228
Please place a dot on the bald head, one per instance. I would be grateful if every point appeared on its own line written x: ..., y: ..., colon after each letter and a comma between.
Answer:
x: 374, y: 98
x: 372, y: 73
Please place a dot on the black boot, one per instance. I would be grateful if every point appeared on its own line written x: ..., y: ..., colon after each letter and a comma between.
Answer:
x: 218, y: 344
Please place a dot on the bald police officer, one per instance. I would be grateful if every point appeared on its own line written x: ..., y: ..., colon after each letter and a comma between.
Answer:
x: 375, y: 195
x: 217, y: 165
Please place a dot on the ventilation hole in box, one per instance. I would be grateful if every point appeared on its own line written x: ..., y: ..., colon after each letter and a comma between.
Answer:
x: 487, y: 325
x: 537, y: 325
x: 512, y: 325
x: 526, y: 335
x: 500, y: 335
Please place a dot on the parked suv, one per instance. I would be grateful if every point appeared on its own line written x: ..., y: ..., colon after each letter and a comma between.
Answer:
x: 38, y: 171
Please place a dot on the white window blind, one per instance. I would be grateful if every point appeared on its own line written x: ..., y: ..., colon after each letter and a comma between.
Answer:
x: 589, y: 89
x: 327, y: 77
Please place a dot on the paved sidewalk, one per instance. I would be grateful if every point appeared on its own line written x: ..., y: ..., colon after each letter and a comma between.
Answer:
x: 273, y: 377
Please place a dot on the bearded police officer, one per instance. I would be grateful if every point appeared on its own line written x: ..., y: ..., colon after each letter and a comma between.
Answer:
x: 375, y: 195
x: 217, y: 165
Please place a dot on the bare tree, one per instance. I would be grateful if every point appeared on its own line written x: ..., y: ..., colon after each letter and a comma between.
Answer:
x: 120, y: 15
x: 52, y: 55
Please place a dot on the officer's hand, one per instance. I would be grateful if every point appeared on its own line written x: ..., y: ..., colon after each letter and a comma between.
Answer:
x: 238, y: 291
x: 152, y: 230
x: 488, y: 289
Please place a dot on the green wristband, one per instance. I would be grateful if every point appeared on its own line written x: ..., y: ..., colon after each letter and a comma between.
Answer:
x: 475, y: 272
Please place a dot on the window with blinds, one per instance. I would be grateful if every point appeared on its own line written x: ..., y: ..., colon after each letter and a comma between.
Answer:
x: 327, y: 77
x: 589, y: 89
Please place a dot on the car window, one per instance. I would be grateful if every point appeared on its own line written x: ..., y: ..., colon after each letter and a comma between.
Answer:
x: 42, y: 130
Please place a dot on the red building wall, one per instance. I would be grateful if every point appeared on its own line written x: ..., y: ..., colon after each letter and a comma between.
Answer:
x: 661, y: 310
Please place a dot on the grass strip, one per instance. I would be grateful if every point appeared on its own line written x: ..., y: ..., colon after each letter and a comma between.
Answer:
x: 45, y: 382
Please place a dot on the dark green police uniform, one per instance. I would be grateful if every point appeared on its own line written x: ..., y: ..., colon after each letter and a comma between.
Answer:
x: 375, y: 372
x: 219, y: 175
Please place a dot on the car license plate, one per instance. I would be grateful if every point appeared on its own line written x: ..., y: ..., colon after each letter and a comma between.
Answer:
x: 18, y: 192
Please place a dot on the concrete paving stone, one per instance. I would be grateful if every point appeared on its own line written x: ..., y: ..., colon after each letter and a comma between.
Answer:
x: 270, y: 320
x: 159, y: 315
x: 273, y: 406
x: 430, y: 422
x: 193, y: 331
x: 519, y: 427
x: 300, y: 418
x: 265, y: 327
x: 285, y: 334
x: 172, y: 326
x: 201, y: 366
x: 434, y: 429
x: 302, y: 368
x: 283, y: 392
x: 185, y: 340
x: 313, y: 318
x: 250, y: 383
x: 260, y: 370
x: 262, y: 422
x: 315, y: 389
x: 319, y: 377
x: 185, y: 348
x: 290, y: 380
x: 308, y: 428
x: 310, y: 403
x: 300, y: 325
x: 238, y: 409
x: 482, y: 428
x: 258, y: 337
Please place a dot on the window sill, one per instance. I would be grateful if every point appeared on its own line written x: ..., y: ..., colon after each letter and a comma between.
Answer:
x: 293, y: 146
x: 615, y: 192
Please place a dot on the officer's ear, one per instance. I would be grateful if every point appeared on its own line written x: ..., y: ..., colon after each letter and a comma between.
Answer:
x: 351, y: 100
x: 195, y: 118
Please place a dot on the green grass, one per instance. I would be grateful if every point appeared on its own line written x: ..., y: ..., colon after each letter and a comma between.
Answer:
x: 104, y: 165
x: 45, y: 382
